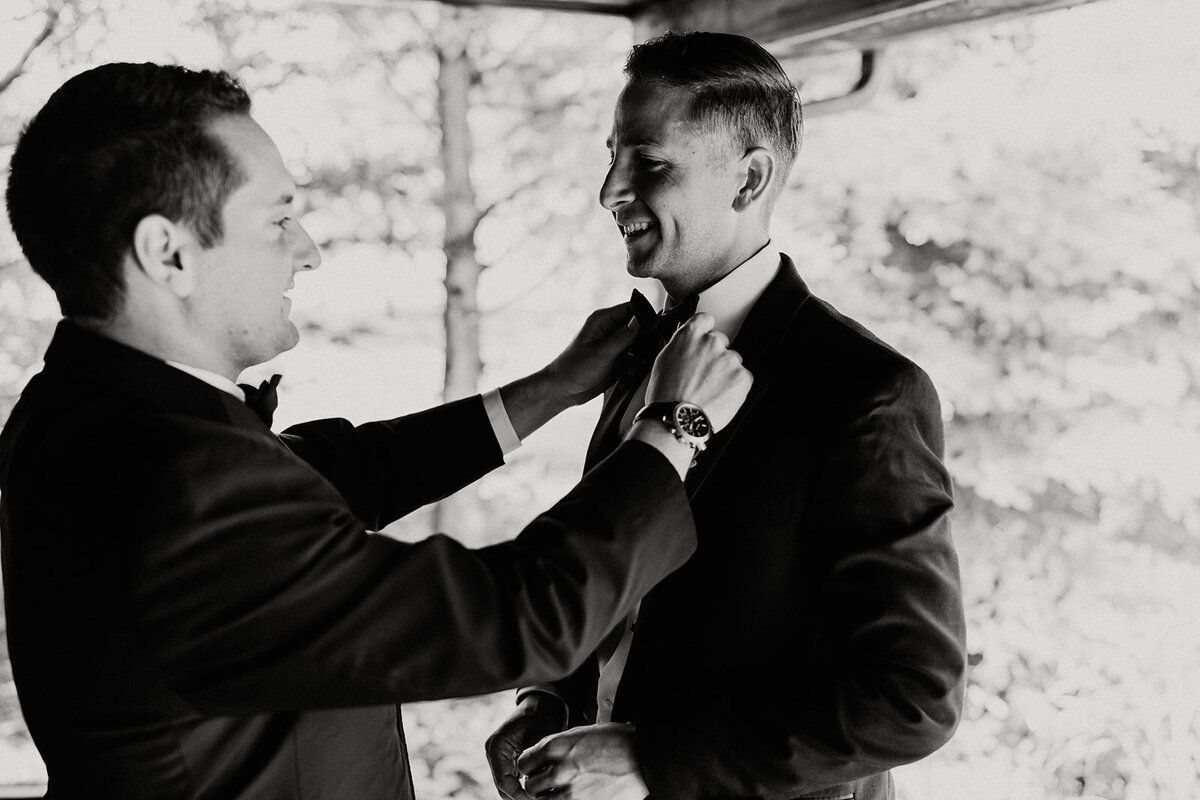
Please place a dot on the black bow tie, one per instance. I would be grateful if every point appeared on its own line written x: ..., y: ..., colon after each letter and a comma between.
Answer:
x: 655, y: 330
x: 663, y: 323
x: 264, y: 399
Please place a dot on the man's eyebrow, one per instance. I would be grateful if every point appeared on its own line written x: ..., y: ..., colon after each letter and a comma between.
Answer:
x: 636, y: 140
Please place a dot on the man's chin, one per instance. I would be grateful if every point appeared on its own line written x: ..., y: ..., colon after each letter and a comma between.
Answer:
x: 289, y: 338
x: 640, y: 267
x: 285, y: 339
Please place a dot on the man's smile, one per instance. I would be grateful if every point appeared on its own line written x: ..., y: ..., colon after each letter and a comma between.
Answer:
x: 634, y: 231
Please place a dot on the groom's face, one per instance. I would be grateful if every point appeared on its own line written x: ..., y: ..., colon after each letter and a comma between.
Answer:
x: 670, y: 188
x: 241, y: 305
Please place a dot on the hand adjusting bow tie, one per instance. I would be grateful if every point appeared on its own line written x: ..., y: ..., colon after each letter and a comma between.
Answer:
x: 663, y: 323
x: 263, y: 399
x: 655, y: 330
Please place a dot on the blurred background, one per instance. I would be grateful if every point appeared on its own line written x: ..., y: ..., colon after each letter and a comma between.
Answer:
x: 1017, y: 209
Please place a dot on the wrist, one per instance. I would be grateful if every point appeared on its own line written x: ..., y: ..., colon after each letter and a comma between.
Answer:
x: 686, y: 421
x: 661, y: 439
x: 557, y: 390
x: 533, y: 401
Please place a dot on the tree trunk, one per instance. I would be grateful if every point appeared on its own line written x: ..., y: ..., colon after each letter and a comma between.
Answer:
x: 458, y: 515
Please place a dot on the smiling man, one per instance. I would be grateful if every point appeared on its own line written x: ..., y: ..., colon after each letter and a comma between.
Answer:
x: 196, y: 607
x: 816, y: 638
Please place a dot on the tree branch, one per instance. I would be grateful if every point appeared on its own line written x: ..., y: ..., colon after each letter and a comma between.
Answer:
x: 47, y: 29
x: 509, y: 197
x: 390, y: 58
x: 345, y: 8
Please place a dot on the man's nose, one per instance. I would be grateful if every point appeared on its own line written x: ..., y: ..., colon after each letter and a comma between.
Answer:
x: 615, y: 191
x: 307, y: 255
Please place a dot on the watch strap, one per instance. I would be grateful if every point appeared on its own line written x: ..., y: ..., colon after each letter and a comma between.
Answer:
x: 660, y: 412
x: 664, y: 412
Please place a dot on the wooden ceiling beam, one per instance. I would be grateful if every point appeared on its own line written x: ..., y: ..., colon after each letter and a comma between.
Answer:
x: 793, y: 28
x: 623, y: 8
x: 814, y: 27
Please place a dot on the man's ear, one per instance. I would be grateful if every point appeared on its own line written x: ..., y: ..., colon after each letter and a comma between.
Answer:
x: 163, y: 252
x: 756, y: 170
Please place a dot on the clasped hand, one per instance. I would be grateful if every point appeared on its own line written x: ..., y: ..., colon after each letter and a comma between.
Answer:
x: 591, y: 762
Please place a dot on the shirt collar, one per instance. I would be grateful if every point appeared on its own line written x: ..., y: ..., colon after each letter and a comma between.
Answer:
x: 730, y: 299
x: 211, y: 378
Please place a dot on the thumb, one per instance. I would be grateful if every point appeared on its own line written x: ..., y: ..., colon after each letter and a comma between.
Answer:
x: 536, y: 757
x: 604, y: 322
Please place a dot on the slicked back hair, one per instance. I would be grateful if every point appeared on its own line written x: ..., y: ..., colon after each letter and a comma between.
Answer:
x: 737, y: 88
x: 110, y: 147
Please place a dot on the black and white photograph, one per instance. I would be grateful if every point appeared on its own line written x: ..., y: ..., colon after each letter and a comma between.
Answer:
x: 600, y: 399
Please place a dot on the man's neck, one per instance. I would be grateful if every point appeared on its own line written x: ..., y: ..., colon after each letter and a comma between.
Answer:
x: 696, y: 284
x: 730, y: 299
x: 156, y: 344
x: 678, y: 291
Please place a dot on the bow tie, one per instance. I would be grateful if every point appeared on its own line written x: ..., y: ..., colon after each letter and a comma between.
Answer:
x: 264, y: 399
x: 662, y: 323
x: 655, y: 330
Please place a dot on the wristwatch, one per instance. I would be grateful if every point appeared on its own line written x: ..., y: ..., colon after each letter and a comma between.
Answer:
x: 687, y: 422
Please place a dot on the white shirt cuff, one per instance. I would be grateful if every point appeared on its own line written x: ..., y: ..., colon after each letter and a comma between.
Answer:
x: 506, y: 435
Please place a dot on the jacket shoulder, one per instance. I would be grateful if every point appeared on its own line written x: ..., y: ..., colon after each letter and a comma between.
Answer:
x: 852, y: 357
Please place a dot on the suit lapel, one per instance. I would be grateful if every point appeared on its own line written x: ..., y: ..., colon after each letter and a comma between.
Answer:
x: 758, y: 343
x: 601, y: 443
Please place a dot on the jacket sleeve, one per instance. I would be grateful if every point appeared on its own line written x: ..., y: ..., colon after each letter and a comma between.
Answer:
x: 885, y: 685
x: 389, y: 468
x: 253, y: 586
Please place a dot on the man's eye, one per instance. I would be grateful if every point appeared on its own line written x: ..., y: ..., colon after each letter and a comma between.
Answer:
x: 283, y: 222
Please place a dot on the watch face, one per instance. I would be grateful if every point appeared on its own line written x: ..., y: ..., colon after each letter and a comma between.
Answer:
x: 691, y: 420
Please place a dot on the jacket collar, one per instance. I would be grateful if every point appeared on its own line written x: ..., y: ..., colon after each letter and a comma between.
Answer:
x: 88, y: 361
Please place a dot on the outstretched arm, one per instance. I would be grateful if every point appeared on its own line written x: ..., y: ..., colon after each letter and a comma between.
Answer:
x: 387, y: 469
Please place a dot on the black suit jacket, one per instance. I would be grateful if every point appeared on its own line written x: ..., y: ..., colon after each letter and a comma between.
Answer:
x: 816, y: 639
x: 196, y: 610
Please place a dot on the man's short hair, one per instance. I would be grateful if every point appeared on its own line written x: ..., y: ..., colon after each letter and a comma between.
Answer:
x: 111, y: 146
x: 737, y: 87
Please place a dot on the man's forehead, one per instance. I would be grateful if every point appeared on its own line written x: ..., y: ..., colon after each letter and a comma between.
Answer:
x: 258, y: 157
x: 648, y: 113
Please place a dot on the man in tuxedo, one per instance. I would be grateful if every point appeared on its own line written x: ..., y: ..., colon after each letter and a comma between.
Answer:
x: 196, y: 607
x: 816, y: 638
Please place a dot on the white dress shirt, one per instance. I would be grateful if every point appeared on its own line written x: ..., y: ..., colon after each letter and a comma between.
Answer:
x: 212, y: 379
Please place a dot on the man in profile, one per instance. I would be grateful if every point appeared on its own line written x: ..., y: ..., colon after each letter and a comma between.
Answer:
x: 816, y: 638
x: 196, y: 607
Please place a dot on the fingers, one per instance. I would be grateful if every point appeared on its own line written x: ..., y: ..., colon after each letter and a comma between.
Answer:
x: 509, y: 786
x: 698, y: 323
x: 502, y: 758
x: 539, y: 756
x: 553, y: 778
x: 698, y: 366
x: 604, y: 321
x: 612, y: 329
